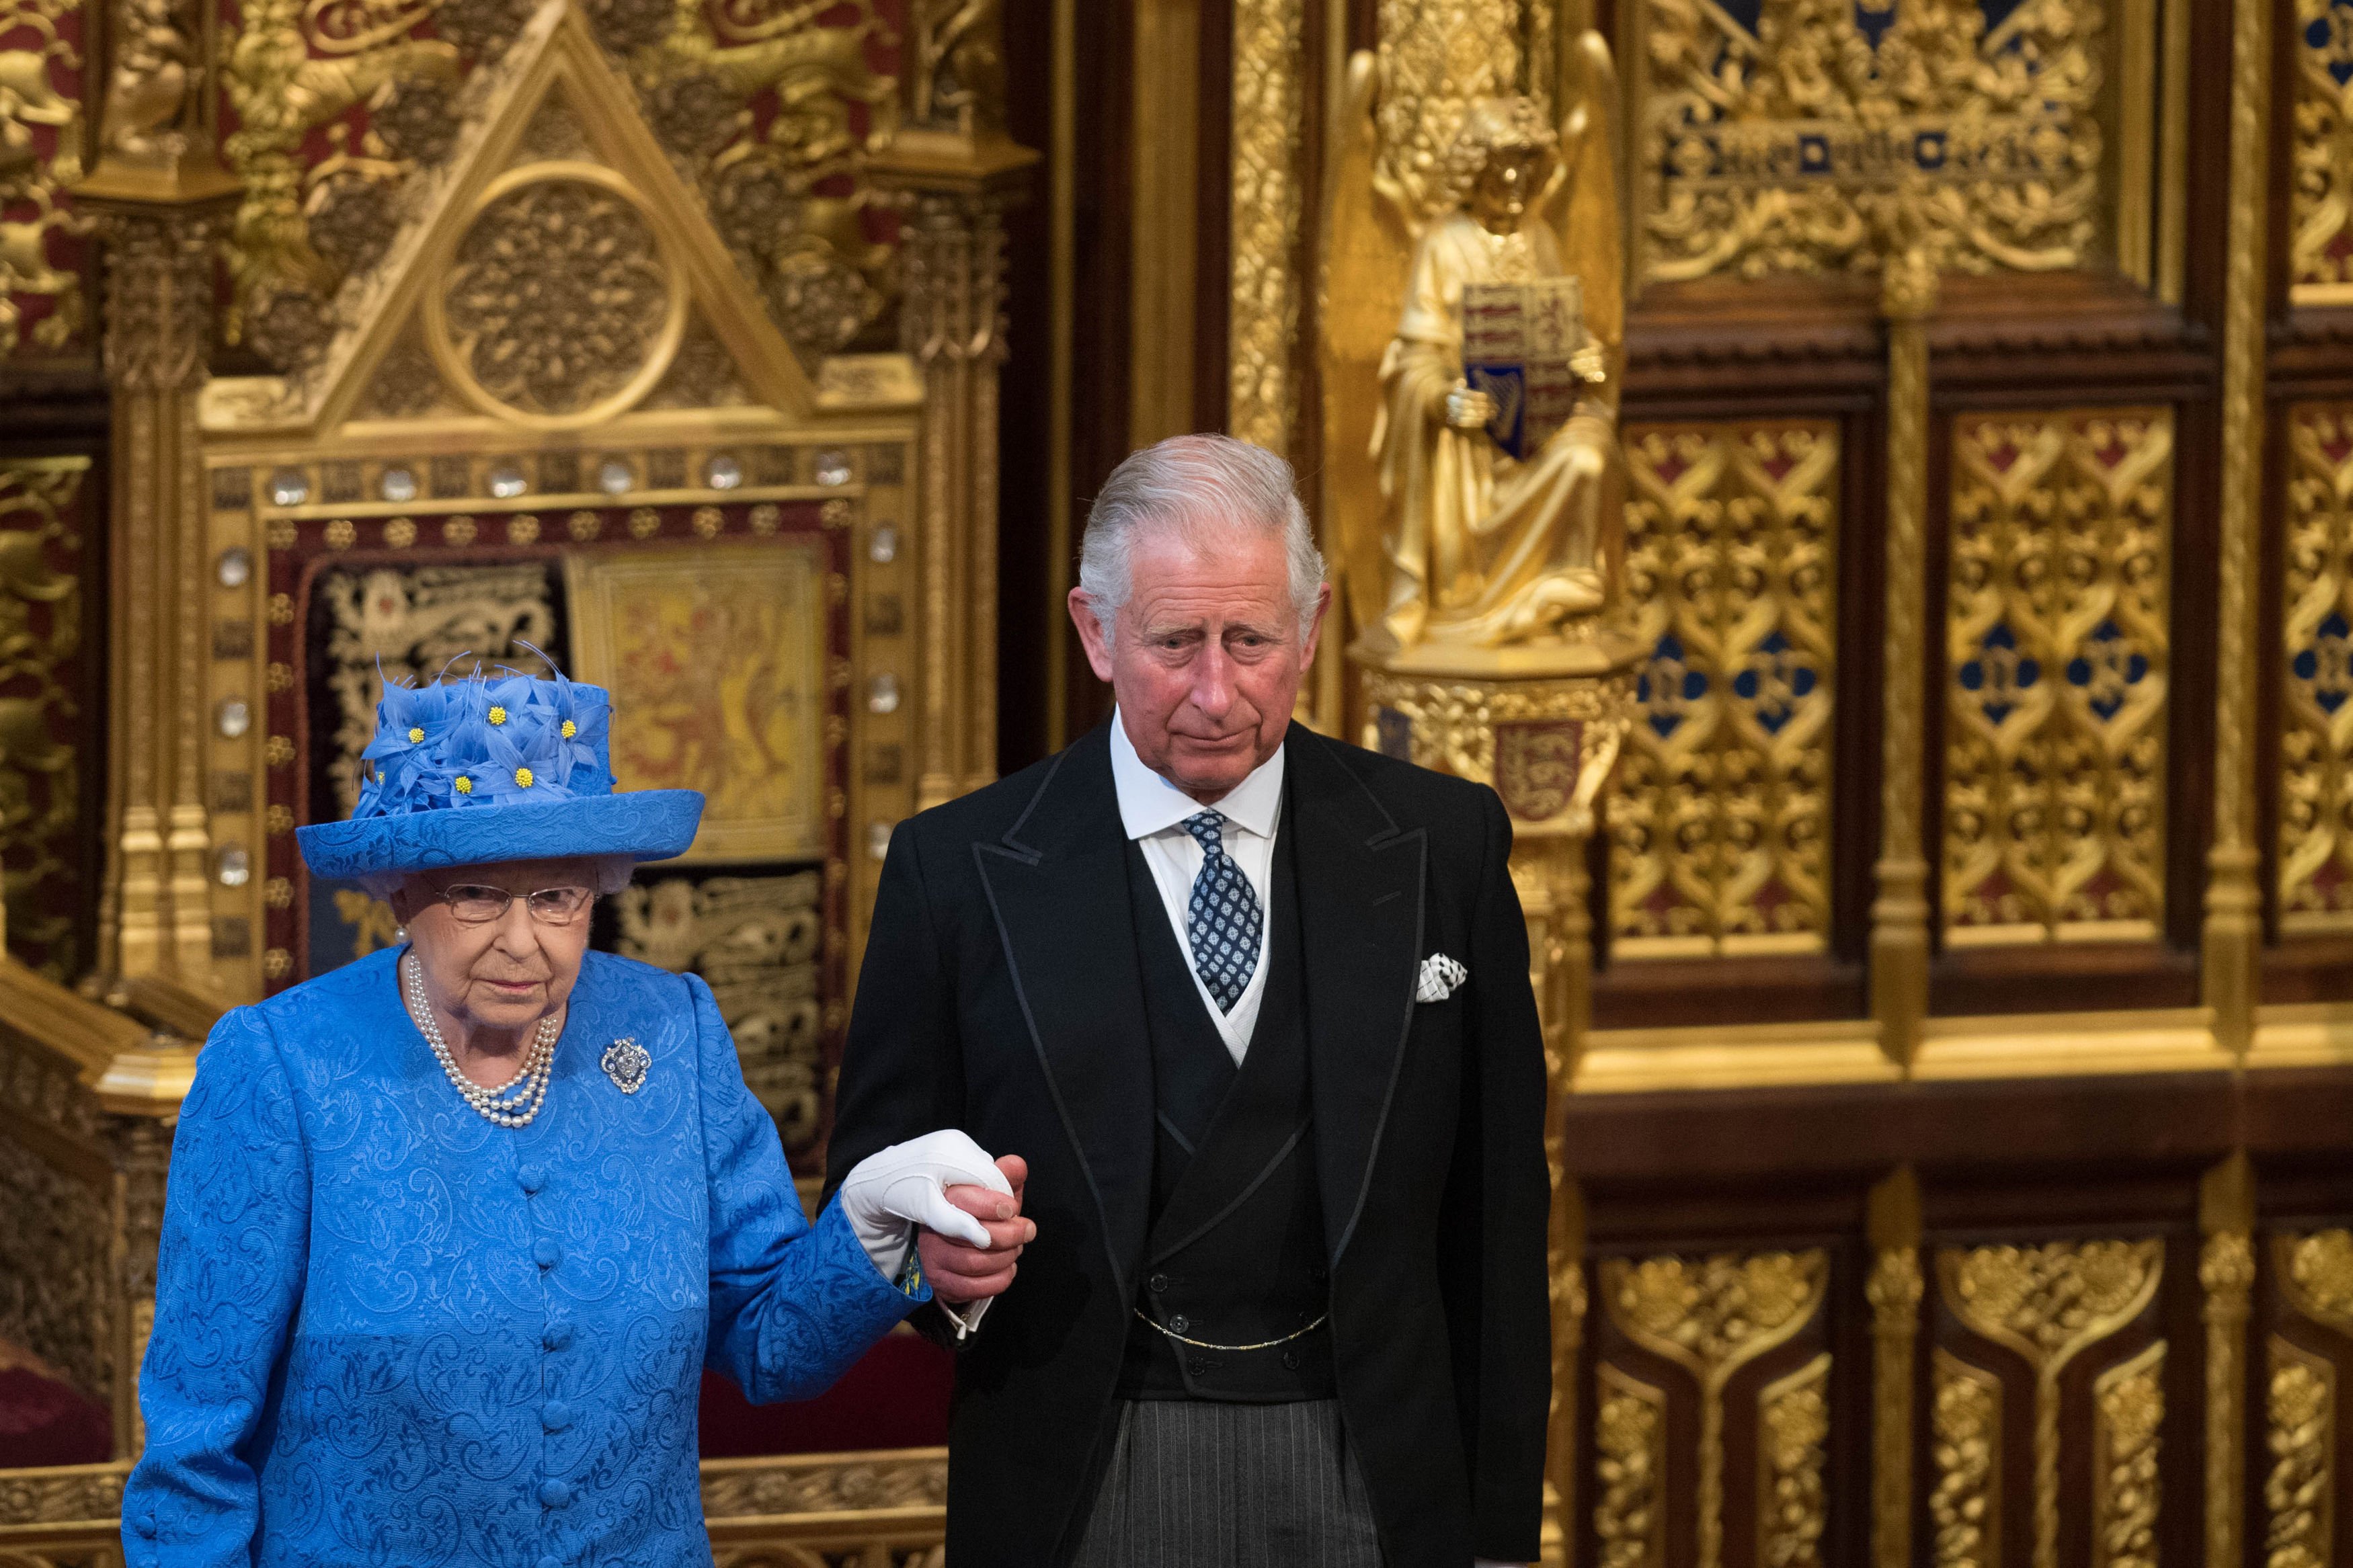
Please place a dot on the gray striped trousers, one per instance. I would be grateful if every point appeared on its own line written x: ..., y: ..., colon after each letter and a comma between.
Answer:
x: 1197, y: 1484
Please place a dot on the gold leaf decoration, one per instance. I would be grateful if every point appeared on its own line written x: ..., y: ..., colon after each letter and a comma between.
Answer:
x: 1721, y: 825
x: 1795, y: 144
x: 1712, y: 1316
x: 1793, y: 1426
x: 2050, y: 1303
x: 2316, y: 1273
x: 2057, y: 648
x: 2315, y: 806
x: 2320, y: 244
x: 1965, y: 1507
x: 2299, y: 1491
x: 41, y: 821
x: 1629, y: 1440
x: 2127, y: 1412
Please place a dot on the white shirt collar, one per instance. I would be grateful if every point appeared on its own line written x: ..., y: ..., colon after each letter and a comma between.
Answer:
x: 1149, y: 804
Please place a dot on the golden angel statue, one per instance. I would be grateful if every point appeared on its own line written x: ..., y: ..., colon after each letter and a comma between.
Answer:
x: 1474, y: 388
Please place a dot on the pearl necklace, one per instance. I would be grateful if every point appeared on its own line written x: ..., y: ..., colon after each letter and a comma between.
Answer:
x: 512, y: 1103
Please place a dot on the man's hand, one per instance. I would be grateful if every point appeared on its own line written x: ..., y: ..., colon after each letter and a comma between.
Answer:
x: 959, y: 1272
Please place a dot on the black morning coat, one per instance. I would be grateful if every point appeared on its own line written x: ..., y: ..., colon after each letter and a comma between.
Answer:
x: 1002, y: 994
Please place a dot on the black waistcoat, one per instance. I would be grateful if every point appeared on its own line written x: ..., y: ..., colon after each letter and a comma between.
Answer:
x: 1235, y: 1256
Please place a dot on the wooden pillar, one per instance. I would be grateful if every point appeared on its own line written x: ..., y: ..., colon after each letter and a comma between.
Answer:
x: 2234, y: 929
x: 161, y: 201
x: 954, y: 172
x: 1899, y: 915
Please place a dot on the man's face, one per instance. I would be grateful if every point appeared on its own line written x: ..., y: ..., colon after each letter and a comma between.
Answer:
x: 1206, y: 655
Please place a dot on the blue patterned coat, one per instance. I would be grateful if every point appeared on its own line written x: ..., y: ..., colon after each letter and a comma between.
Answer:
x: 388, y: 1333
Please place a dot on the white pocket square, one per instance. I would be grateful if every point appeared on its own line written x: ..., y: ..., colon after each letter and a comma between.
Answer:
x: 1440, y: 977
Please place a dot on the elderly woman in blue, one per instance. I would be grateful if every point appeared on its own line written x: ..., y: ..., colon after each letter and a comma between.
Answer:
x: 452, y: 1231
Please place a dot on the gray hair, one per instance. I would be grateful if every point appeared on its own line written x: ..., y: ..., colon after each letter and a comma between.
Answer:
x: 1196, y: 484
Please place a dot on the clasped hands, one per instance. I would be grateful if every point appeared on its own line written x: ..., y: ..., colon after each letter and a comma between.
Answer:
x: 966, y: 1207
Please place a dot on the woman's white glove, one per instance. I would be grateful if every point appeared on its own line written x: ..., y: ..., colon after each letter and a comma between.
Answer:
x: 906, y: 1184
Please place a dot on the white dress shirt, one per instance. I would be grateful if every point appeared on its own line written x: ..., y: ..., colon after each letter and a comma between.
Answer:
x: 1153, y: 811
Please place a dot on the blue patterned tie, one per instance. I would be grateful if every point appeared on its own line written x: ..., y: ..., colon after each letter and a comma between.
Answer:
x: 1222, y: 921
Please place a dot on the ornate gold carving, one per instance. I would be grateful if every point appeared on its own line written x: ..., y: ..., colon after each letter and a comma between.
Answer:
x: 2233, y: 932
x: 1899, y: 911
x: 2226, y: 1271
x: 2320, y: 247
x: 40, y: 768
x: 2315, y: 825
x: 1793, y: 1425
x: 1712, y: 1317
x: 761, y: 109
x: 1966, y: 1506
x: 159, y: 301
x: 1732, y: 553
x: 1781, y: 149
x: 2056, y: 637
x: 294, y: 67
x: 560, y: 308
x: 1629, y: 1440
x: 2127, y: 1411
x: 1435, y: 62
x: 415, y: 622
x: 959, y: 54
x: 755, y: 939
x: 2050, y: 1303
x: 2300, y: 1492
x: 64, y: 1493
x: 1264, y: 321
x: 2316, y: 1274
x: 1455, y: 726
x: 1894, y: 1292
x: 55, y: 1231
x: 41, y: 133
x: 913, y: 1478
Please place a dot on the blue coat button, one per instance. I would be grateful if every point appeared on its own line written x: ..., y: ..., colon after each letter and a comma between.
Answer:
x: 556, y: 1416
x: 555, y: 1494
x: 558, y: 1337
x: 551, y: 1562
x: 532, y: 1174
x: 147, y: 1525
x: 545, y: 1253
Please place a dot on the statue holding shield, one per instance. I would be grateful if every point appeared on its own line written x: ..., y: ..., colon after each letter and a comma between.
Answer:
x: 1489, y: 520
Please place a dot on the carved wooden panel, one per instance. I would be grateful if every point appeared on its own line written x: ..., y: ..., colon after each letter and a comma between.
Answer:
x: 2057, y: 648
x: 2307, y: 1351
x: 2316, y: 789
x: 1712, y: 1408
x: 44, y: 247
x: 1781, y: 139
x: 1721, y: 830
x: 346, y: 113
x: 2320, y: 260
x: 45, y: 731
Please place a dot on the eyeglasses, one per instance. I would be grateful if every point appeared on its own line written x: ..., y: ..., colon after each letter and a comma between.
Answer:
x: 476, y: 905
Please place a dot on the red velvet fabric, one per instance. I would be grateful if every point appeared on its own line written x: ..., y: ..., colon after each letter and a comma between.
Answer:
x: 895, y: 1397
x: 45, y: 1422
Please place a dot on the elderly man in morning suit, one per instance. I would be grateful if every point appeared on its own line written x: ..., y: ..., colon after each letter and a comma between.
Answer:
x: 1254, y: 1007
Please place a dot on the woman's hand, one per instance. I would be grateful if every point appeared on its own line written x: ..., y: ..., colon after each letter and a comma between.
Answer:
x: 959, y: 1271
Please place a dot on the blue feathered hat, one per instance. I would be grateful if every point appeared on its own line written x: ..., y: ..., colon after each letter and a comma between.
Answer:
x: 468, y: 772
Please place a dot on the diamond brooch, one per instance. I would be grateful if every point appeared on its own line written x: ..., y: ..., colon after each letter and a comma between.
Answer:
x: 624, y: 1062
